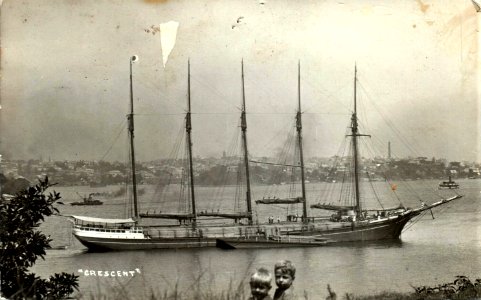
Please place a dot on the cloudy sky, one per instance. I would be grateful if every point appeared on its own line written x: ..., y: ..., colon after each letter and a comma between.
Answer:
x: 65, y: 75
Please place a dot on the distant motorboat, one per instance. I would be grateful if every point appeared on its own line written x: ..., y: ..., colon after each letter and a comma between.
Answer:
x: 88, y: 201
x: 450, y: 184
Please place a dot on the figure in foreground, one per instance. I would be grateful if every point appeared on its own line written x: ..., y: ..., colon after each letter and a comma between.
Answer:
x: 260, y: 284
x: 285, y: 273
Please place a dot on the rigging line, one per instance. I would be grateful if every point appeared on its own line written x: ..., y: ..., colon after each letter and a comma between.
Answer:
x: 182, y: 199
x: 214, y: 113
x: 159, y: 114
x: 174, y: 151
x: 371, y: 150
x: 123, y: 124
x: 376, y: 195
x: 329, y: 95
x: 128, y: 180
x: 345, y: 189
x: 363, y: 113
x: 269, y: 113
x: 414, y: 221
x: 340, y: 153
x: 441, y: 210
x: 390, y: 124
x: 185, y: 195
x: 329, y: 193
x: 378, y: 144
x: 213, y: 90
x: 153, y: 87
x: 326, y: 113
x: 293, y: 186
x: 274, y: 164
x: 351, y: 191
x: 276, y: 136
x: 374, y: 191
x: 290, y: 144
x: 172, y: 159
x: 411, y: 190
x: 264, y: 89
x: 347, y: 185
x: 343, y: 185
x: 237, y: 160
x: 279, y: 177
x: 407, y: 185
x: 239, y: 188
x: 228, y: 161
x: 282, y: 157
x: 287, y: 149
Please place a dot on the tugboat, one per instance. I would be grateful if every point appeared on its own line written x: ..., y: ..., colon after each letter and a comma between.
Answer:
x: 450, y: 184
x: 87, y: 201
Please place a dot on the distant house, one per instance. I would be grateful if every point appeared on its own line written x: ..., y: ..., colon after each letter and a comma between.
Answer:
x: 454, y: 164
x: 232, y: 169
x: 453, y: 172
x: 115, y: 173
x: 148, y: 177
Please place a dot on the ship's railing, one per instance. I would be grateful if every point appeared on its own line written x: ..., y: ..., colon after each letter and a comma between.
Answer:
x: 110, y: 230
x: 233, y: 231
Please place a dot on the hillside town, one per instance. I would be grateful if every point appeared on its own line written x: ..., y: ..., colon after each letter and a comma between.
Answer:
x: 219, y: 171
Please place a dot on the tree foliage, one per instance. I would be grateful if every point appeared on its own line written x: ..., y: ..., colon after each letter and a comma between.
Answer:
x: 21, y: 243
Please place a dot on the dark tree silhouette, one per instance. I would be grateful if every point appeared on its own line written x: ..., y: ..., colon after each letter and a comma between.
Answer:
x: 21, y: 243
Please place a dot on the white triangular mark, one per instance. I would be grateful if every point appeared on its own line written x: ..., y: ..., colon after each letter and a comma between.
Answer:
x: 168, y: 34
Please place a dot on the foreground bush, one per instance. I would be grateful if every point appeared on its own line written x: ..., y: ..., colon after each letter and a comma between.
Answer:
x: 239, y: 292
x: 21, y: 244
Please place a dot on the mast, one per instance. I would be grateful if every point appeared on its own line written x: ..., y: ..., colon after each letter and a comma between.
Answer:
x: 299, y: 140
x: 355, y: 134
x: 246, y: 154
x: 188, y: 128
x: 130, y: 118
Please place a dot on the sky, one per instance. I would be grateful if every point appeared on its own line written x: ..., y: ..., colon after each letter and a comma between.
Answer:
x: 65, y: 76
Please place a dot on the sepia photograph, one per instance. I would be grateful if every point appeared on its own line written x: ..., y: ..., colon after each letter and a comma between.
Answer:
x: 240, y: 149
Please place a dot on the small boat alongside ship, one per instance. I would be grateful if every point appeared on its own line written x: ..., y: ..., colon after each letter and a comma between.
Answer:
x: 351, y: 222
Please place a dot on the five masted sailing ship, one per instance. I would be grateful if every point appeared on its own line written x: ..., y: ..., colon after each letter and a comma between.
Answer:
x: 349, y: 223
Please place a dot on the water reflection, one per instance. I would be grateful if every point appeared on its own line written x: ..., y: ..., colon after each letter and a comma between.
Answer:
x: 382, y: 244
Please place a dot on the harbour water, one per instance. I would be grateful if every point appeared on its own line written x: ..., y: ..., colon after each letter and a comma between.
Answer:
x: 430, y: 252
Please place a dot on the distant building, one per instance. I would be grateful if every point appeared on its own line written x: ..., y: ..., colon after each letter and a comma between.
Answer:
x: 115, y: 173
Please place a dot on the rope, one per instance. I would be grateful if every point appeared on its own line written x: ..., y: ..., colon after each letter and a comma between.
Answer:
x: 122, y: 125
x: 390, y: 124
x: 414, y: 221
